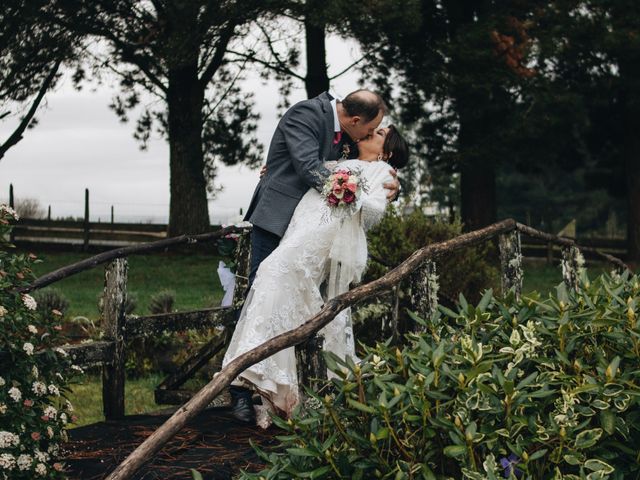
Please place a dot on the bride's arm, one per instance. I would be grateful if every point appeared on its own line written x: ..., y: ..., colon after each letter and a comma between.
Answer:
x: 374, y: 201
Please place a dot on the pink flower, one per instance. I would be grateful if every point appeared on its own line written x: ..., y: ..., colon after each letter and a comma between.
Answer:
x: 35, y: 436
x: 28, y: 403
x: 349, y: 196
x: 352, y: 187
x: 44, y: 418
x: 332, y: 199
x: 57, y: 467
x: 74, y: 419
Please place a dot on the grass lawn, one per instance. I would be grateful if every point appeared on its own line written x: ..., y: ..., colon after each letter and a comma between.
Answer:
x: 86, y: 397
x: 543, y: 278
x: 193, y: 278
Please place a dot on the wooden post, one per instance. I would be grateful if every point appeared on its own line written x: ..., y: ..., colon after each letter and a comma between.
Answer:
x: 85, y: 246
x: 49, y: 213
x: 310, y: 364
x: 12, y: 236
x: 572, y: 263
x: 113, y: 321
x: 112, y: 214
x: 243, y: 264
x: 424, y: 290
x: 511, y: 262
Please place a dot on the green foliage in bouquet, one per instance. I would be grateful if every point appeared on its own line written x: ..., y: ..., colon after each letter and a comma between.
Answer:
x: 34, y: 413
x: 532, y: 389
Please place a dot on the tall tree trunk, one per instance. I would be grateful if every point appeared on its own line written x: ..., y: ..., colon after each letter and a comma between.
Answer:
x: 188, y: 210
x: 316, y: 80
x: 477, y: 172
x: 630, y: 100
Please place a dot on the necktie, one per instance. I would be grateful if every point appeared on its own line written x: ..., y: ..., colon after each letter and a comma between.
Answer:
x: 337, y: 137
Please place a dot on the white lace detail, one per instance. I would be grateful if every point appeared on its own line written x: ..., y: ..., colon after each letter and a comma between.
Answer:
x: 286, y: 291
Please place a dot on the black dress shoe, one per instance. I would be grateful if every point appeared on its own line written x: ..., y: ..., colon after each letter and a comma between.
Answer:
x: 242, y: 405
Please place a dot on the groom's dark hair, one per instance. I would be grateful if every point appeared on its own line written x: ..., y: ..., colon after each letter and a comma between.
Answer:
x: 364, y: 103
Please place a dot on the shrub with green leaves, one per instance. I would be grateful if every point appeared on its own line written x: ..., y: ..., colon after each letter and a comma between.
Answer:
x: 466, y: 271
x: 33, y: 372
x: 530, y: 389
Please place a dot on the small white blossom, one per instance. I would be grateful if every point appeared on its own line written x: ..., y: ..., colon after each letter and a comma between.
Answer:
x: 50, y: 434
x: 53, y: 390
x: 41, y: 469
x: 77, y: 368
x: 15, y: 394
x: 7, y: 210
x: 29, y: 302
x: 24, y: 461
x: 28, y: 347
x: 2, y: 382
x: 61, y: 352
x: 3, y: 311
x: 3, y: 409
x: 34, y: 371
x: 51, y: 412
x: 32, y: 329
x: 7, y: 461
x: 69, y: 406
x: 8, y: 439
x: 63, y: 418
x: 54, y: 448
x: 41, y: 456
x: 39, y: 388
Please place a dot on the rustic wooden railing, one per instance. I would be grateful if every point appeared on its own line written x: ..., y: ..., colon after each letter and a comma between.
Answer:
x: 118, y: 327
x: 420, y: 265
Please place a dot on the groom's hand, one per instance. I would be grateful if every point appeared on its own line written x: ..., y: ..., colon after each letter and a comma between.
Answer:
x: 263, y: 170
x: 393, y: 186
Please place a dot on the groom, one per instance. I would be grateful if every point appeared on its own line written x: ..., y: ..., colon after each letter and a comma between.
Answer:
x: 310, y: 133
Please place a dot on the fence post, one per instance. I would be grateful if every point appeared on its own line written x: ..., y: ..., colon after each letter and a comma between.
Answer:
x: 243, y: 264
x: 572, y: 263
x: 49, y: 213
x: 114, y: 318
x: 424, y: 290
x: 511, y: 262
x: 311, y: 366
x: 111, y: 214
x: 85, y: 246
x: 12, y: 235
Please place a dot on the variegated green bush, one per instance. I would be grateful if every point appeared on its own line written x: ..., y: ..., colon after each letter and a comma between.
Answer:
x: 531, y: 389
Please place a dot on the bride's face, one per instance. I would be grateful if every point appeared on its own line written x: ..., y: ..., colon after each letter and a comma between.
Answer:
x: 373, y: 145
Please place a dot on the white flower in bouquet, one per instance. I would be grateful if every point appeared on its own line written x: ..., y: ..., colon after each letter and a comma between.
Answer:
x: 7, y: 461
x: 50, y: 433
x: 29, y: 302
x: 32, y: 329
x: 2, y: 382
x: 15, y: 393
x: 3, y: 311
x: 34, y: 371
x: 3, y: 408
x: 39, y: 388
x: 69, y: 406
x: 53, y: 390
x: 28, y: 347
x: 24, y: 461
x: 41, y: 456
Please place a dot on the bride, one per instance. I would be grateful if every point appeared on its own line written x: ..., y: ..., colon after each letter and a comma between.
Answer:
x: 318, y: 249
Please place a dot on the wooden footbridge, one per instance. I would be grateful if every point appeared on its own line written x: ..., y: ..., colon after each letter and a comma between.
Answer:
x: 144, y: 438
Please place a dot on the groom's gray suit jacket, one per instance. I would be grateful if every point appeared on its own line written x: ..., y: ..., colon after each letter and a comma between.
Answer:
x: 302, y: 141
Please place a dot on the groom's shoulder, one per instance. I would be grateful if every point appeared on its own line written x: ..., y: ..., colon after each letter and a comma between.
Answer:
x: 319, y: 104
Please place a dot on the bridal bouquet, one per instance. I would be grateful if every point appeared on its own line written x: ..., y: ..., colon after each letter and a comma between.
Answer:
x: 343, y: 190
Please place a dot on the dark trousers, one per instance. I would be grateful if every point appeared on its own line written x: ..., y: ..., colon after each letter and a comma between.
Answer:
x: 262, y: 244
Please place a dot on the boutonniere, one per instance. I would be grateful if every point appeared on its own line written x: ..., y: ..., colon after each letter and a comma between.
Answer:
x: 346, y: 150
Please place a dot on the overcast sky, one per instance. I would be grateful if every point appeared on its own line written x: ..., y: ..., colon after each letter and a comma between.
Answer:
x: 80, y: 143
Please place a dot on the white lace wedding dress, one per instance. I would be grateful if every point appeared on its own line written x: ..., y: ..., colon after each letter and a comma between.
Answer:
x: 316, y: 250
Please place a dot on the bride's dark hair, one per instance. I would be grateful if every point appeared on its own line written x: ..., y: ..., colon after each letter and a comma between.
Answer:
x: 396, y: 147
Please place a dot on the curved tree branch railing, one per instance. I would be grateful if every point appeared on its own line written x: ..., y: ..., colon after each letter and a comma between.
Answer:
x: 152, y: 445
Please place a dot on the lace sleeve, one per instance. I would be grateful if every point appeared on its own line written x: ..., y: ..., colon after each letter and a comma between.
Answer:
x: 374, y: 202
